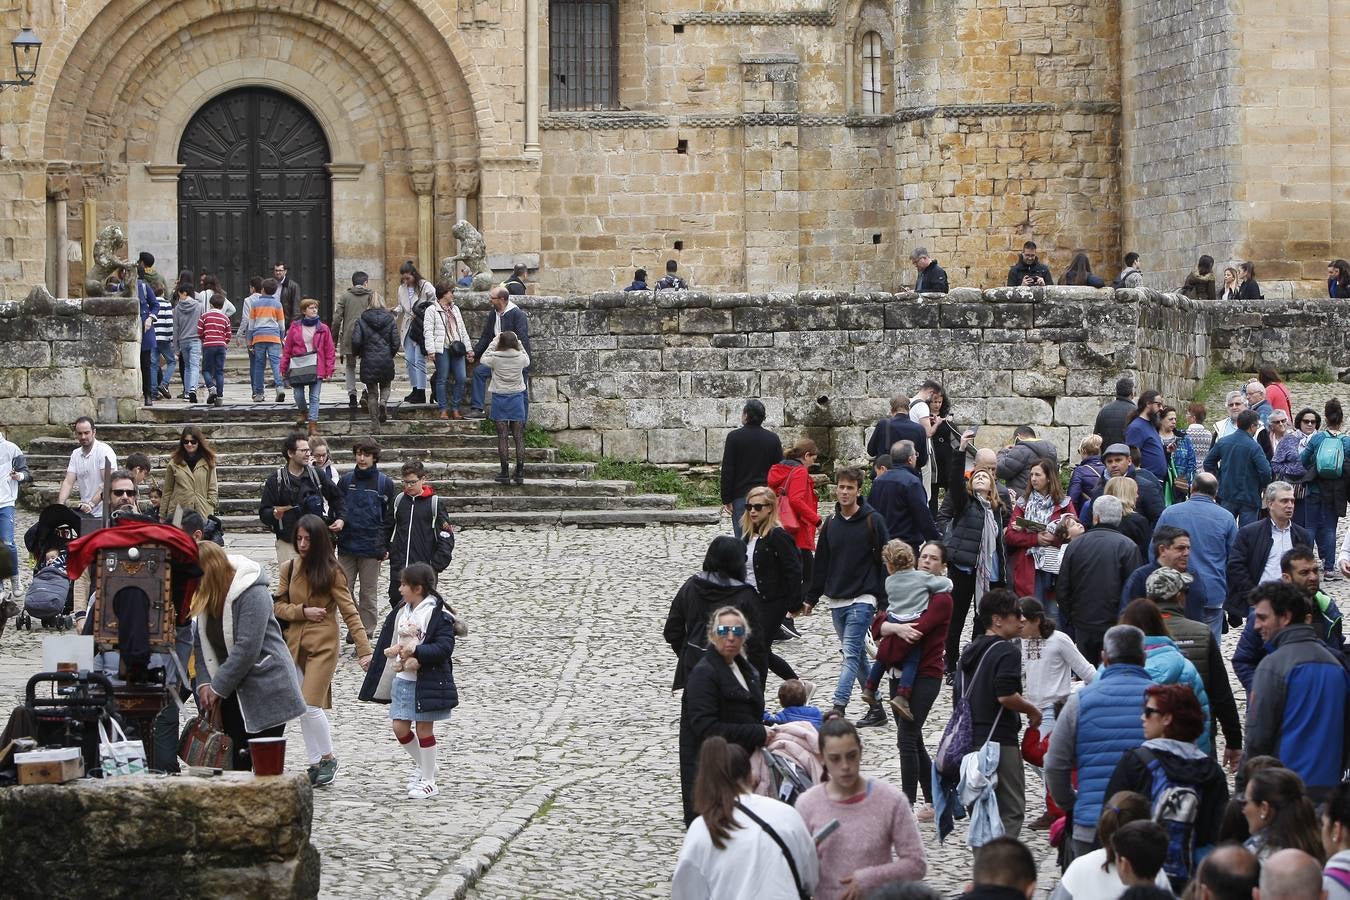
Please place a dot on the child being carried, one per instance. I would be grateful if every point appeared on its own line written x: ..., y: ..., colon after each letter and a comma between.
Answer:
x: 908, y: 592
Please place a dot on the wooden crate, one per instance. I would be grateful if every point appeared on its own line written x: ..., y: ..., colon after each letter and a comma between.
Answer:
x: 50, y: 766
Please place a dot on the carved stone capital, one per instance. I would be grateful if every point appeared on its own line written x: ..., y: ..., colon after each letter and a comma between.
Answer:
x: 58, y: 181
x: 466, y: 177
x: 423, y: 177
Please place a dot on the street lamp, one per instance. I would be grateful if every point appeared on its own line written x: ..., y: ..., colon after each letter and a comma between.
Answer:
x: 27, y: 48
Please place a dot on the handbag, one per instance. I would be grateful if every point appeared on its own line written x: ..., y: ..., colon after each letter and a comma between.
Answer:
x: 304, y: 369
x: 204, y: 742
x: 117, y: 755
x: 457, y: 349
x: 958, y: 738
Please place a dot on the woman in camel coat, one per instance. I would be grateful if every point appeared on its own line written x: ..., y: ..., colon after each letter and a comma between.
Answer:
x: 190, y: 476
x: 309, y: 611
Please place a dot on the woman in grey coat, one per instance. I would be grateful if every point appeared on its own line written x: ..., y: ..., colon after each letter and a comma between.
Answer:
x: 242, y: 660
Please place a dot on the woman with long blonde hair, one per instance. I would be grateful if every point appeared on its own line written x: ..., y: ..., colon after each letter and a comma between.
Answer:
x: 1133, y: 524
x: 243, y: 665
x: 773, y: 567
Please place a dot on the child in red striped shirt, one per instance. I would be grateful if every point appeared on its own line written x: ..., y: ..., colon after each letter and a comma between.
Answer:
x: 214, y: 330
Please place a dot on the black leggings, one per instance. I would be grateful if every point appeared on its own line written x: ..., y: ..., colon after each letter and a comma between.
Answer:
x: 516, y: 430
x: 233, y: 723
x: 147, y: 360
x: 808, y: 566
x: 915, y: 763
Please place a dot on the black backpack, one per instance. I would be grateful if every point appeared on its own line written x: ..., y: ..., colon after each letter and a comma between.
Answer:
x: 415, y: 331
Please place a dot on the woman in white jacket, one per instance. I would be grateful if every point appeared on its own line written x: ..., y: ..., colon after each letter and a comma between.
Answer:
x: 508, y: 362
x: 447, y: 342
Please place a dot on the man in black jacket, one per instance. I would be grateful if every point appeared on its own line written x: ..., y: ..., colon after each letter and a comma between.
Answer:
x: 1029, y: 271
x: 363, y: 544
x: 850, y: 577
x: 288, y: 292
x: 515, y: 285
x: 899, y: 427
x: 898, y: 495
x: 294, y: 490
x: 505, y: 316
x: 748, y: 453
x: 422, y: 531
x: 1150, y: 505
x: 930, y: 278
x: 1256, y: 554
x: 1092, y: 572
x: 1113, y: 417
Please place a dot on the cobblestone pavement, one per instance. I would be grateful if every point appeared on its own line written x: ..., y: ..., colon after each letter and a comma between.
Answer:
x: 558, y: 772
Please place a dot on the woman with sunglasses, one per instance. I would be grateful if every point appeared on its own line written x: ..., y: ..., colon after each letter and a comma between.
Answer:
x: 773, y: 567
x: 1173, y: 722
x: 190, y: 477
x: 721, y: 583
x: 723, y: 696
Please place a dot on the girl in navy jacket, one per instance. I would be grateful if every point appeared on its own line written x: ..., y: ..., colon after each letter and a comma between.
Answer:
x: 412, y: 671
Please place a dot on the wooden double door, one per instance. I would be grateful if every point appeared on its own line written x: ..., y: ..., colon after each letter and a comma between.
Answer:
x: 255, y: 191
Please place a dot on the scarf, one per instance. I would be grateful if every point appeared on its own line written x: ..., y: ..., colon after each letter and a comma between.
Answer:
x: 192, y: 459
x: 310, y: 321
x: 984, y: 568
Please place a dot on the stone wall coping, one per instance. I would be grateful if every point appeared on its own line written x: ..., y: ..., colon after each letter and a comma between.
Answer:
x: 40, y: 303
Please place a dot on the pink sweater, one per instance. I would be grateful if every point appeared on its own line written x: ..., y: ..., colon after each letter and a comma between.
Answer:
x: 861, y: 847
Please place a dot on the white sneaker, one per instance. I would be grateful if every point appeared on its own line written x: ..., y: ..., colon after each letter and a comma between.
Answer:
x: 414, y: 777
x: 423, y: 790
x: 923, y: 812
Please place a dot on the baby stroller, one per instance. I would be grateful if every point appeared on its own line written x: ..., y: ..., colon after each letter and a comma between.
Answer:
x: 51, y: 594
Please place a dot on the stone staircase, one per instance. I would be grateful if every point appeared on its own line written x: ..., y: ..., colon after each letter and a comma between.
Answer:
x: 461, y: 462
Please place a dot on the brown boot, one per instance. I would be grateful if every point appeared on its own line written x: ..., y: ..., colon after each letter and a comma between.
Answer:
x: 313, y: 428
x: 444, y: 414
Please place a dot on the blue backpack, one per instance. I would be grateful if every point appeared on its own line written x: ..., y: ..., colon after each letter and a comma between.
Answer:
x: 1330, y: 456
x: 1176, y: 807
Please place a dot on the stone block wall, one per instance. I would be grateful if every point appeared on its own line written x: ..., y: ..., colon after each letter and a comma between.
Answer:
x: 1292, y: 335
x: 67, y: 358
x: 663, y: 377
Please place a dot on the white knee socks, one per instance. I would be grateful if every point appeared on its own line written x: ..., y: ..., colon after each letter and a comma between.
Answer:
x: 428, y: 758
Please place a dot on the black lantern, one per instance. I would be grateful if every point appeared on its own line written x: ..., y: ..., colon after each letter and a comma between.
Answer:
x: 27, y: 47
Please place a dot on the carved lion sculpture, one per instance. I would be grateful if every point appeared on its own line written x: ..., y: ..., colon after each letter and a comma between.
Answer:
x: 106, y: 262
x: 473, y: 253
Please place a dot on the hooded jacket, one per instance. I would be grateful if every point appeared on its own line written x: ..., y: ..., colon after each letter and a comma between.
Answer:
x: 1183, y: 763
x: 792, y: 483
x: 686, y: 629
x: 436, y: 690
x: 347, y: 312
x: 254, y: 663
x: 848, y: 557
x: 1166, y: 665
x: 422, y: 533
x: 1015, y: 462
x: 1199, y: 287
x: 375, y: 340
x: 186, y: 314
x: 368, y: 497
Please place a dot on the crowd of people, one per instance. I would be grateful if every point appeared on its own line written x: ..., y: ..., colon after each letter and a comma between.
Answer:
x: 1100, y: 593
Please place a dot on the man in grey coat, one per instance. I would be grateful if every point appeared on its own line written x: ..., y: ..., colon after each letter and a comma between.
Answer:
x: 346, y: 312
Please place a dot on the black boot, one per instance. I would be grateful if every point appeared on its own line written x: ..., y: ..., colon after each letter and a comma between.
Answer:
x: 519, y: 477
x: 384, y: 413
x: 505, y: 476
x: 351, y: 399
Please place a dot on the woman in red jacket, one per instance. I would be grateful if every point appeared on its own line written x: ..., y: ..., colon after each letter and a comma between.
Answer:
x: 798, y: 511
x: 308, y: 336
x: 1034, y: 552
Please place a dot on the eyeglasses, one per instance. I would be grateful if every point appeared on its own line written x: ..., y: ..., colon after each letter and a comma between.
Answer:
x: 1307, y: 421
x: 119, y: 492
x: 733, y: 630
x: 1151, y: 711
x: 413, y: 483
x: 756, y: 507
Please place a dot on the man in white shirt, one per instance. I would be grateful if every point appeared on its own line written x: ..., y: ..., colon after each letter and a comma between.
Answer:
x: 85, y: 469
x: 923, y: 411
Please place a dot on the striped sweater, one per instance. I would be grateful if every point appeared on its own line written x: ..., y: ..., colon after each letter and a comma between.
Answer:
x: 266, y: 320
x: 214, y: 329
x: 164, y: 321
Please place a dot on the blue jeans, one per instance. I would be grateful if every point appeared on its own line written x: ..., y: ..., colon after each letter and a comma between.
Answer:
x: 850, y: 625
x: 164, y: 351
x: 1045, y: 586
x: 311, y: 407
x: 1321, y: 521
x: 7, y: 538
x: 1214, y: 619
x: 213, y: 368
x: 445, y: 364
x: 1245, y: 514
x: 737, y: 510
x: 260, y: 356
x: 416, y: 362
x: 478, y: 390
x: 192, y: 363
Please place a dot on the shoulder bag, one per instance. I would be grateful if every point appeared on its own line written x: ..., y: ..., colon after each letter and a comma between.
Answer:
x: 787, y: 854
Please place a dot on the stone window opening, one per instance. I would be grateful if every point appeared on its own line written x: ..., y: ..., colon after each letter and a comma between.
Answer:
x: 583, y: 54
x: 873, y: 91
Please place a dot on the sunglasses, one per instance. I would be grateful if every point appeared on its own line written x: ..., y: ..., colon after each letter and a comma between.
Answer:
x: 1307, y: 421
x: 118, y: 492
x: 733, y: 630
x: 1150, y: 711
x: 189, y: 442
x: 756, y: 507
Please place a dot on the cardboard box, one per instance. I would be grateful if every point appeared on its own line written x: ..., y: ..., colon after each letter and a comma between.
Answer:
x: 56, y: 766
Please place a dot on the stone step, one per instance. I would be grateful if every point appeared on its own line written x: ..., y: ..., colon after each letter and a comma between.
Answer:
x: 501, y: 502
x: 272, y: 456
x: 162, y: 443
x: 330, y: 414
x: 585, y: 518
x: 463, y: 487
x: 435, y: 469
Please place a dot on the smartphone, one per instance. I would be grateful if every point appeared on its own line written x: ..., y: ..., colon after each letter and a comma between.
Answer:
x: 825, y: 831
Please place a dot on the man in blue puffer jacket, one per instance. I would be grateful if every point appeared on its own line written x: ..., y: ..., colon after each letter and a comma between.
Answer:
x: 1098, y: 724
x: 368, y: 524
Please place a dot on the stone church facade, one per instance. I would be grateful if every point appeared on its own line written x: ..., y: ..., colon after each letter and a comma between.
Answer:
x: 767, y: 145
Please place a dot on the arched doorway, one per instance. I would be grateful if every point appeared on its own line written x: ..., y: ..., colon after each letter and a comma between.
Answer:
x: 254, y: 190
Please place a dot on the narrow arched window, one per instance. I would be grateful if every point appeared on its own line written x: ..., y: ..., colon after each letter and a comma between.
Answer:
x: 871, y: 73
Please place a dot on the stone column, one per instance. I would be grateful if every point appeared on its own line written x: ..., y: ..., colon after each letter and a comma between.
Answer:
x: 423, y: 179
x: 58, y: 189
x: 531, y: 76
x: 90, y: 223
x: 466, y: 185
